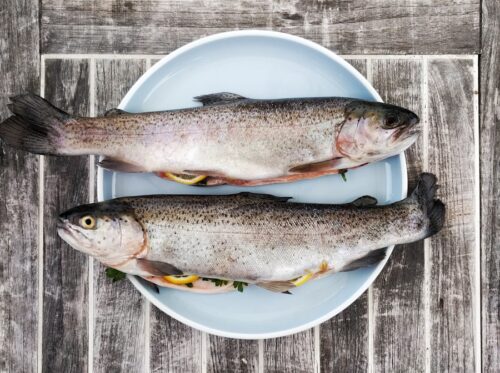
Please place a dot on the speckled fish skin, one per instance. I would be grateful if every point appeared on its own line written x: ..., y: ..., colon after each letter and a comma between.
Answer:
x: 255, y: 238
x: 239, y: 139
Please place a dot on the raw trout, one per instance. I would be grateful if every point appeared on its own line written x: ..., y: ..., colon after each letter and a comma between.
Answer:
x: 251, y: 238
x: 232, y: 139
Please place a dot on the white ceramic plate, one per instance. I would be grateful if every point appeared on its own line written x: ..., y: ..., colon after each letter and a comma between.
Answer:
x: 258, y: 64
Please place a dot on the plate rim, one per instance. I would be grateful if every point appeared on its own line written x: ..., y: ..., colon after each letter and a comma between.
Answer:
x: 333, y: 56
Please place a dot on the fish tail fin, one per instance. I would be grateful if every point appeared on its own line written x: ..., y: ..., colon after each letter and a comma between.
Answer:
x: 36, y: 126
x: 425, y: 195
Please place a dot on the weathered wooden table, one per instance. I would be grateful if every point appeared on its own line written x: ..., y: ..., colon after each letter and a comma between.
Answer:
x: 435, y: 307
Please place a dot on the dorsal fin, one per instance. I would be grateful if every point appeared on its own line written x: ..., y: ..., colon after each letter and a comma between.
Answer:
x: 264, y: 197
x: 219, y: 98
x: 113, y: 112
x: 365, y: 201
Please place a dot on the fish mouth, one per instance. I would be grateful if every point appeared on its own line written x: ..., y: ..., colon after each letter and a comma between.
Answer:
x: 66, y: 232
x: 411, y: 129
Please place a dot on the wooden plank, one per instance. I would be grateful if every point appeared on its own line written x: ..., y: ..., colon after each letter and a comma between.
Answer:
x: 65, y: 298
x: 349, y: 27
x: 232, y: 355
x: 119, y: 309
x: 398, y: 292
x: 490, y: 180
x: 19, y: 69
x: 294, y: 353
x: 383, y: 26
x: 175, y: 347
x: 344, y: 338
x: 451, y: 158
x: 153, y: 26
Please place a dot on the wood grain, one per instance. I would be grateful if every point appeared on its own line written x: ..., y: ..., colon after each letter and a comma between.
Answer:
x: 232, y: 355
x: 349, y: 27
x: 65, y: 297
x: 294, y: 353
x: 344, y: 338
x: 119, y: 309
x: 175, y: 347
x: 19, y: 71
x: 398, y: 292
x: 490, y: 181
x: 135, y: 26
x: 451, y: 158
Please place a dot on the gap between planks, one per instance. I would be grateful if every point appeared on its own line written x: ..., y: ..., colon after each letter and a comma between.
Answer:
x: 476, y: 311
x: 427, y: 263
x: 41, y: 201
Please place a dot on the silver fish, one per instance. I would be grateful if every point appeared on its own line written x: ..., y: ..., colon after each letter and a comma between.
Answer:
x: 231, y: 139
x: 254, y: 238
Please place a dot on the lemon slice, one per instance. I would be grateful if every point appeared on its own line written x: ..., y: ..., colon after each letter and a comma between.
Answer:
x: 181, y: 280
x: 185, y: 179
x: 302, y: 279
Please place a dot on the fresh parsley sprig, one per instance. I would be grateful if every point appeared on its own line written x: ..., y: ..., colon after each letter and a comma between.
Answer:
x: 216, y: 281
x: 342, y: 173
x: 239, y: 285
x: 115, y: 274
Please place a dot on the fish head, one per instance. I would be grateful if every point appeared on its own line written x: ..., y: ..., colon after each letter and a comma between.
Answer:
x: 373, y: 130
x: 108, y: 231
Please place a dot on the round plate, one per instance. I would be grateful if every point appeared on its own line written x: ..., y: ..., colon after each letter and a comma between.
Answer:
x: 258, y: 64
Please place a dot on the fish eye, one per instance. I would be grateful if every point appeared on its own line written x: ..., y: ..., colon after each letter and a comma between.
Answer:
x: 87, y: 222
x: 391, y: 121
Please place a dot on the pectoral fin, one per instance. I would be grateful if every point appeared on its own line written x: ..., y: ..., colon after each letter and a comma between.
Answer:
x: 365, y: 201
x: 118, y: 165
x: 339, y: 163
x: 219, y: 98
x: 156, y: 268
x: 276, y: 286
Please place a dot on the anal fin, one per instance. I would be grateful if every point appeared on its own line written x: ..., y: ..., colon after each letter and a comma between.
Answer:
x: 372, y: 258
x: 114, y: 112
x: 276, y: 286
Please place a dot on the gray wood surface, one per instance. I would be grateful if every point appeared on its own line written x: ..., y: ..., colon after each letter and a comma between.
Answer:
x: 398, y: 292
x: 425, y: 312
x: 294, y: 353
x: 451, y: 158
x: 490, y: 182
x: 119, y: 309
x: 19, y: 47
x: 344, y: 338
x: 232, y: 355
x: 350, y: 27
x: 175, y: 347
x: 65, y: 270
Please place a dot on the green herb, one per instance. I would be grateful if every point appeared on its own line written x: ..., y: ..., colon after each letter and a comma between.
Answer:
x: 216, y: 281
x: 239, y: 285
x: 115, y: 274
x: 190, y: 285
x: 342, y: 173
